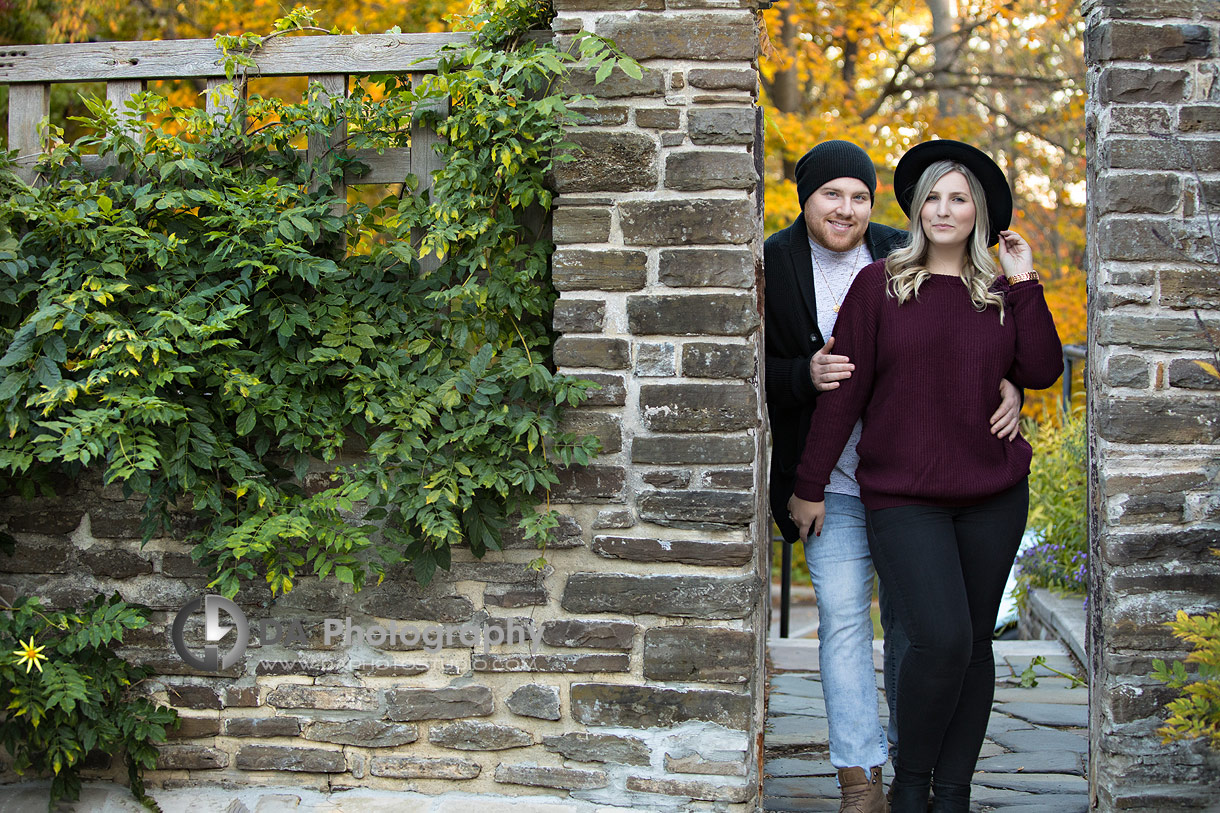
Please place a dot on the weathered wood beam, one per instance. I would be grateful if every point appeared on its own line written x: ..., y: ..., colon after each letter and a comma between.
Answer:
x: 217, y: 104
x: 118, y: 94
x: 28, y: 105
x: 390, y: 166
x: 182, y: 59
x: 319, y: 143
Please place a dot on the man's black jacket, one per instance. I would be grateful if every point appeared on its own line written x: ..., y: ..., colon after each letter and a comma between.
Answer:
x: 792, y: 337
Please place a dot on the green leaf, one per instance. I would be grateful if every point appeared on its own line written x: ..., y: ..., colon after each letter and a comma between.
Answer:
x: 46, y: 372
x: 12, y: 384
x: 21, y: 348
x: 603, y: 72
x: 245, y: 421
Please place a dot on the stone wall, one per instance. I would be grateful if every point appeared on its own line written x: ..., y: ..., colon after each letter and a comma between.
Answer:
x: 1154, y: 285
x: 643, y: 687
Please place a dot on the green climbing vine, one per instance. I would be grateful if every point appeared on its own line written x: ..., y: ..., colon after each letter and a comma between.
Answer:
x: 205, y: 322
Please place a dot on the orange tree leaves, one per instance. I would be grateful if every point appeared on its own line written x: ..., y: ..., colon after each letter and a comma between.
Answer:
x: 1007, y: 77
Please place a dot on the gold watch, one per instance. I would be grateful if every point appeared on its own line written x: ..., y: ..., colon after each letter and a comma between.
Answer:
x: 1015, y: 278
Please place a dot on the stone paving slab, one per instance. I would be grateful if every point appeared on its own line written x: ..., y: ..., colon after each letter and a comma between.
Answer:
x: 1046, y: 694
x: 990, y: 749
x: 1060, y: 715
x: 1043, y: 739
x: 999, y: 723
x: 1025, y: 803
x: 782, y: 704
x: 786, y: 804
x: 1041, y: 783
x: 994, y: 799
x: 802, y: 787
x: 797, y: 684
x: 1031, y: 762
x: 810, y: 764
x: 1018, y: 661
x: 1064, y: 762
x: 794, y: 732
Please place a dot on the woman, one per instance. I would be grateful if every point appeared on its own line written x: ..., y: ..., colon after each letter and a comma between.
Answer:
x: 932, y: 330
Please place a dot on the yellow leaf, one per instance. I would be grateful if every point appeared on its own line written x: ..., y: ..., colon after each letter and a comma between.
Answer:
x: 1210, y: 369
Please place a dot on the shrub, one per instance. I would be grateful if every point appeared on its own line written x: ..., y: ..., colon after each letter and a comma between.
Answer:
x: 1197, y: 712
x: 1057, y: 498
x: 69, y: 693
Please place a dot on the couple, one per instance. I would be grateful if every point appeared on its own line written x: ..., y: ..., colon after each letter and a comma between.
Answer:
x: 901, y: 450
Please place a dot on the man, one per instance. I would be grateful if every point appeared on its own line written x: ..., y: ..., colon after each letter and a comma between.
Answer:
x: 809, y: 266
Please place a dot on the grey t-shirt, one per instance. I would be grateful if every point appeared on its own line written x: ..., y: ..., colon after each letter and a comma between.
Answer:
x: 833, y: 273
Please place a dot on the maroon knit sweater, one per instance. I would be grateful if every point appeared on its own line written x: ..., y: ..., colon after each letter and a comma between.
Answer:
x: 926, y: 382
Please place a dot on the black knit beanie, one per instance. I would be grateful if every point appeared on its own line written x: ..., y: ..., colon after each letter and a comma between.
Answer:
x: 830, y: 160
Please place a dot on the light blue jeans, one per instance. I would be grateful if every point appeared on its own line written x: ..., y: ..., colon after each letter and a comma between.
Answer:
x: 842, y: 574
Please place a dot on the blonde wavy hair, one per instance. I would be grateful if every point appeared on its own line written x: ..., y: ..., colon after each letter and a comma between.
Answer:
x: 905, y: 265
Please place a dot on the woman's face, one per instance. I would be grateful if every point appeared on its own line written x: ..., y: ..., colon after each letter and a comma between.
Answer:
x: 947, y: 215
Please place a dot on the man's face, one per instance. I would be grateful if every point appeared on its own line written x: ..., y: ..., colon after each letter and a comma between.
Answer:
x: 837, y: 213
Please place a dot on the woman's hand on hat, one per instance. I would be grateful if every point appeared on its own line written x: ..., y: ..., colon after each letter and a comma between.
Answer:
x: 1015, y: 254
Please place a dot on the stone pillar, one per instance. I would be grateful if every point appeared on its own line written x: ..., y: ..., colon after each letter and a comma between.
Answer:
x: 1154, y: 420
x: 658, y: 229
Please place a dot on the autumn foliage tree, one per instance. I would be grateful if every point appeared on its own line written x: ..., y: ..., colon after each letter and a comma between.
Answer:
x: 31, y: 21
x: 1007, y: 77
x: 53, y: 21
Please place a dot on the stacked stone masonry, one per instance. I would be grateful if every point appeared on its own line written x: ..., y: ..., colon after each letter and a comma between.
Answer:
x: 637, y: 682
x: 1153, y: 130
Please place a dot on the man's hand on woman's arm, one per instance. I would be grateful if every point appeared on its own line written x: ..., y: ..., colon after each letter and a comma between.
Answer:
x: 1006, y: 420
x: 826, y: 370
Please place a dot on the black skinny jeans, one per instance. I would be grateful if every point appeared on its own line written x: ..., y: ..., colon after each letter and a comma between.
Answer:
x: 945, y: 571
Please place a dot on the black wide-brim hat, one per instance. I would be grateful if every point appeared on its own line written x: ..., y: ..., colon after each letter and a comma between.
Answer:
x: 995, y: 186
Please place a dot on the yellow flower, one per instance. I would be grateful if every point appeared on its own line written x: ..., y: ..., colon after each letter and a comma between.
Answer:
x: 31, y: 654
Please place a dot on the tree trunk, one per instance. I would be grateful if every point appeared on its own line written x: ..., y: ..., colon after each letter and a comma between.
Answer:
x: 944, y: 22
x: 785, y: 90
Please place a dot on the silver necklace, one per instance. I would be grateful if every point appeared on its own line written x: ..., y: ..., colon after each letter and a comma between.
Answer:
x: 833, y: 295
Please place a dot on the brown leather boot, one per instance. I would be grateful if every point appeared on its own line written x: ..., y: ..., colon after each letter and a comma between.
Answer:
x: 862, y: 791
